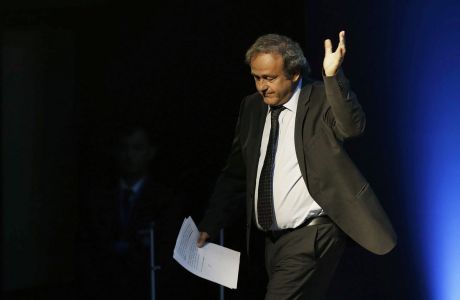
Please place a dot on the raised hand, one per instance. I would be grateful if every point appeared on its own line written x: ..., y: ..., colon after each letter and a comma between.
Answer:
x: 333, y: 60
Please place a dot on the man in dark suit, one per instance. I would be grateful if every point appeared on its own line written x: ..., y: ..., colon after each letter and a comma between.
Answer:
x: 302, y: 190
x: 118, y: 218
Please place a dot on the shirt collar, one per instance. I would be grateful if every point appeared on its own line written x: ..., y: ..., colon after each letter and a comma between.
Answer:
x: 291, y: 104
x: 135, y: 188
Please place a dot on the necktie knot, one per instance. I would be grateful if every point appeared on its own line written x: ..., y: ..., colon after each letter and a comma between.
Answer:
x: 276, y: 111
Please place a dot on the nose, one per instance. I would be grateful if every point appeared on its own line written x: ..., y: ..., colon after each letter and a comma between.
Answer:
x: 262, y: 85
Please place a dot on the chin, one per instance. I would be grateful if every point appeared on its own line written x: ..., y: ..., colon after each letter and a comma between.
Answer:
x: 272, y: 102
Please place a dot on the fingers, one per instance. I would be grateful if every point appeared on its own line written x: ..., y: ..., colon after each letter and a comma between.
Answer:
x: 327, y: 47
x: 204, y: 236
x: 328, y: 43
x: 341, y: 46
x: 342, y: 38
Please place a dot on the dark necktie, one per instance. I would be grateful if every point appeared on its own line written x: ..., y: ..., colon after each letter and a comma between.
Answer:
x: 126, y: 194
x: 265, y: 192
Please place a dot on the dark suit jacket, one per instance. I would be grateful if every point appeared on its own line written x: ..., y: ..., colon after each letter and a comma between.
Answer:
x: 328, y: 113
x: 127, y: 272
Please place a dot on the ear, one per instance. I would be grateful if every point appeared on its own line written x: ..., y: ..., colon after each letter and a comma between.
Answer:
x: 296, y: 77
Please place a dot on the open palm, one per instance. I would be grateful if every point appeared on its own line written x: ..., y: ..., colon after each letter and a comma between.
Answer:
x: 333, y: 60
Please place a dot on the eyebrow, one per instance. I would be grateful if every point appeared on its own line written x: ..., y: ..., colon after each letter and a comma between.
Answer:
x: 264, y: 75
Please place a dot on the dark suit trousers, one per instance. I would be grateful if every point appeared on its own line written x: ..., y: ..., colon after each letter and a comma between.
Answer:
x: 301, y: 263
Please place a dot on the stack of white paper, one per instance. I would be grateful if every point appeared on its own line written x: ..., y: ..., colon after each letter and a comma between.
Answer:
x: 211, y: 262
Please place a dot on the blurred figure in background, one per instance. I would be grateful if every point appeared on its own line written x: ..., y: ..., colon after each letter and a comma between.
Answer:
x: 116, y: 221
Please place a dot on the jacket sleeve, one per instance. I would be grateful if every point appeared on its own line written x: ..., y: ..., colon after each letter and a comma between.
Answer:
x: 344, y: 113
x: 230, y: 189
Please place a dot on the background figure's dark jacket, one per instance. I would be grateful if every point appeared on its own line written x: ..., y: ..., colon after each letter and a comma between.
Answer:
x: 127, y: 273
x: 328, y: 113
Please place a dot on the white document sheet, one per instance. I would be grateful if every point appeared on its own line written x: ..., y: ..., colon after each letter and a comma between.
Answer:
x: 211, y: 262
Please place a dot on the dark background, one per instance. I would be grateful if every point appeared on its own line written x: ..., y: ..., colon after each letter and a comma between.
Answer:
x: 74, y: 71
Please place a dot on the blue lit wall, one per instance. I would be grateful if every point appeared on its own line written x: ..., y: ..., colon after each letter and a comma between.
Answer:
x: 428, y: 69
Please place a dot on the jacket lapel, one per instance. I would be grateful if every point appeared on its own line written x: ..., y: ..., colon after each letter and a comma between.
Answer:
x: 254, y: 145
x: 302, y: 110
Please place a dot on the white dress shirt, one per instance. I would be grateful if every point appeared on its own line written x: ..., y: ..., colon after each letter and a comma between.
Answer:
x: 291, y: 200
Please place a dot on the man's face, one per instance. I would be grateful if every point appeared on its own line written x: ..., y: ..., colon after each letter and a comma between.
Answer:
x: 271, y: 81
x: 135, y: 153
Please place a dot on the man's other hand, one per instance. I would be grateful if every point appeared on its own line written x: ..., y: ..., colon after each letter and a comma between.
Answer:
x: 333, y: 60
x: 204, y: 236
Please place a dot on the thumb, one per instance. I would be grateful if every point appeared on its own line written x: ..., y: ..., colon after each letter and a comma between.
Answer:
x: 204, y: 236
